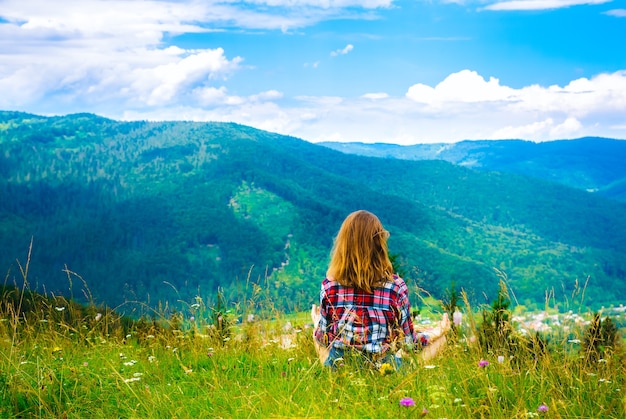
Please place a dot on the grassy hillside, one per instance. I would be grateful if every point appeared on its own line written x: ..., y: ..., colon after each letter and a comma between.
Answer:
x: 63, y: 360
x: 162, y: 211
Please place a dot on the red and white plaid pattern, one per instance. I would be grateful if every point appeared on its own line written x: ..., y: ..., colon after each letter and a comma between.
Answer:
x: 353, y: 318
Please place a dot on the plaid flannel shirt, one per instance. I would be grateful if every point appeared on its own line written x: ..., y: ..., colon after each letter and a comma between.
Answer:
x: 370, y: 322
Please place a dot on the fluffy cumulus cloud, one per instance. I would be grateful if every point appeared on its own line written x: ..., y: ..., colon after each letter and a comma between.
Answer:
x: 464, y: 86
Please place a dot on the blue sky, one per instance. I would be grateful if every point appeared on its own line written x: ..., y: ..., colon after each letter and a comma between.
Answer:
x: 402, y: 71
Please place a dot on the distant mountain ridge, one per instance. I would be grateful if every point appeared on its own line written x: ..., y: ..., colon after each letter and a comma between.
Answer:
x: 167, y: 211
x: 592, y: 163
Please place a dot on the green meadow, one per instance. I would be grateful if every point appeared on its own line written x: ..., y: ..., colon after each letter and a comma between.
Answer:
x: 62, y: 359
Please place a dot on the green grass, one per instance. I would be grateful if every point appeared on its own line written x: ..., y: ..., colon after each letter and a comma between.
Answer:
x: 60, y: 359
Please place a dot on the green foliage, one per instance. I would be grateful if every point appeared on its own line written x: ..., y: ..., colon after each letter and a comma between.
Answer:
x: 495, y: 333
x: 590, y: 163
x: 600, y: 339
x: 135, y: 206
x: 450, y: 304
x: 222, y: 321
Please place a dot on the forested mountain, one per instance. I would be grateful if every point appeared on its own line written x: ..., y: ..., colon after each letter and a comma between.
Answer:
x: 591, y: 164
x: 162, y: 211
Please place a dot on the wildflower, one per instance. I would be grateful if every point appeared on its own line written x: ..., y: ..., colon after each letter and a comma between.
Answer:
x: 483, y: 363
x: 130, y: 363
x: 151, y: 358
x: 250, y: 318
x: 59, y: 308
x: 386, y: 369
x: 130, y: 380
x: 98, y: 316
x: 85, y: 364
x: 407, y: 402
x: 192, y: 318
x: 542, y: 408
x: 424, y: 412
x: 500, y: 359
x: 56, y: 349
x: 457, y: 318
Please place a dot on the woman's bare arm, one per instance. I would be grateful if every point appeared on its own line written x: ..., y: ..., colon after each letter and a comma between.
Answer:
x: 437, y: 337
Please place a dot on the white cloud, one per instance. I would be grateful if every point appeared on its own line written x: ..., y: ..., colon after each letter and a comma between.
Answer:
x: 616, y: 12
x: 579, y: 97
x: 165, y: 76
x: 324, y: 4
x: 163, y: 83
x: 464, y: 86
x: 375, y: 96
x: 546, y: 129
x: 539, y: 4
x: 342, y: 51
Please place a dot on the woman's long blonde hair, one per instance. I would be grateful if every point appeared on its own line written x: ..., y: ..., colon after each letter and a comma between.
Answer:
x: 360, y: 258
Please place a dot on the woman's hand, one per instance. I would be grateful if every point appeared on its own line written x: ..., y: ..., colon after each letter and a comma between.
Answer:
x: 439, y: 330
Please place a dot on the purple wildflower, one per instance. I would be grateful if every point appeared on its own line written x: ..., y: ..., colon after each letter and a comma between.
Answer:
x: 542, y: 408
x: 483, y: 363
x: 424, y: 412
x: 407, y: 402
